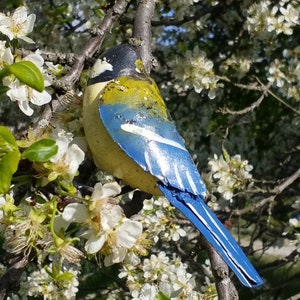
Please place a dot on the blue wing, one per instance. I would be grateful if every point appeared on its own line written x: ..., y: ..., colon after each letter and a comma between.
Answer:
x: 154, y: 144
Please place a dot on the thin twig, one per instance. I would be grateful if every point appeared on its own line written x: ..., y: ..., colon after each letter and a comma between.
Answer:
x: 54, y: 57
x: 283, y: 102
x: 253, y: 207
x: 266, y: 91
x: 275, y: 191
x: 254, y: 105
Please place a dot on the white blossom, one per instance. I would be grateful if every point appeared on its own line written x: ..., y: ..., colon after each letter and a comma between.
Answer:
x: 113, y: 228
x: 42, y: 283
x: 157, y: 274
x: 24, y: 94
x: 294, y: 222
x: 263, y: 17
x: 290, y: 14
x: 195, y: 71
x: 107, y: 226
x: 229, y: 174
x: 276, y: 75
x: 6, y: 57
x: 68, y: 157
x: 18, y: 25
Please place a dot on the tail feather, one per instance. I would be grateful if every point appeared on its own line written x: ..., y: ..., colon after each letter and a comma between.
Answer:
x: 194, y: 208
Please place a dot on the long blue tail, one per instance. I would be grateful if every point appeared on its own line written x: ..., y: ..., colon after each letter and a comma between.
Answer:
x: 194, y: 208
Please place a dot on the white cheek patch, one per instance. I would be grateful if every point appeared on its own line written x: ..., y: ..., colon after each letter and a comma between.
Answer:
x: 100, y: 67
x: 150, y: 135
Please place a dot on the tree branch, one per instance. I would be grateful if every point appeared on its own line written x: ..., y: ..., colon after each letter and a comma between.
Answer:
x: 225, y: 288
x: 185, y: 19
x: 95, y: 42
x: 12, y: 275
x: 281, y: 261
x: 69, y: 80
x: 142, y: 31
x: 280, y: 188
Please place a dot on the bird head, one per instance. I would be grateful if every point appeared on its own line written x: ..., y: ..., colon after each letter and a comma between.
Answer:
x: 123, y: 60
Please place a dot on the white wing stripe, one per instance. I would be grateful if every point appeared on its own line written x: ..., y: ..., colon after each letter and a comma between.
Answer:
x: 178, y: 177
x: 203, y: 220
x: 150, y: 135
x: 191, y: 182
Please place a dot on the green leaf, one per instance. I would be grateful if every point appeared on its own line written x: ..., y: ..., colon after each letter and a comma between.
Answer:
x: 162, y: 296
x: 62, y: 8
x: 3, y: 89
x: 9, y: 158
x: 41, y: 150
x: 7, y: 139
x: 226, y: 155
x: 66, y: 276
x: 99, y: 13
x: 28, y: 73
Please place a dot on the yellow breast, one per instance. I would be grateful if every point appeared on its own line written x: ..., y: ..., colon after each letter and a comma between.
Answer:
x: 107, y: 154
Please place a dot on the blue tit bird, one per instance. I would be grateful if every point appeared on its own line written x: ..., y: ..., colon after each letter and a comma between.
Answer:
x: 131, y: 135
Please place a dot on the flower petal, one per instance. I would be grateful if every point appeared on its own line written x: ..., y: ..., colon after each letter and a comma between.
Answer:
x: 107, y: 190
x: 95, y: 243
x: 75, y: 212
x: 128, y: 233
x: 117, y: 256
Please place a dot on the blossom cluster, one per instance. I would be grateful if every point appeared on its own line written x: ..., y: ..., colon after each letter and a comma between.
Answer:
x: 105, y: 226
x: 229, y: 174
x: 195, y: 71
x: 101, y: 226
x: 16, y: 27
x: 159, y: 274
x: 27, y: 228
x: 285, y: 73
x: 264, y: 17
x: 52, y: 284
x: 265, y: 21
x: 156, y: 218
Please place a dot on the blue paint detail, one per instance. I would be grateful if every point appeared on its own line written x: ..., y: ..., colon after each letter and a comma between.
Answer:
x: 215, y: 232
x: 184, y: 188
